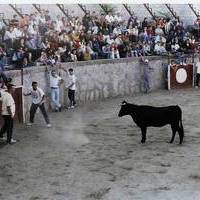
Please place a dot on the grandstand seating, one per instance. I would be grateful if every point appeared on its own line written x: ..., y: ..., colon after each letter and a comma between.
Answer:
x: 115, y: 34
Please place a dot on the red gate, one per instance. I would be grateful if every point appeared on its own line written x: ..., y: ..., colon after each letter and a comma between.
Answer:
x: 180, y: 76
x: 18, y: 98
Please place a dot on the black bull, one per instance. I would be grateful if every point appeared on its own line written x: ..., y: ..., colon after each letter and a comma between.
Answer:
x: 145, y: 116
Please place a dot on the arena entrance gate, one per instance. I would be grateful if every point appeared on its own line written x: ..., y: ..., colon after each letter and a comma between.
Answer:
x: 181, y: 75
x: 18, y: 98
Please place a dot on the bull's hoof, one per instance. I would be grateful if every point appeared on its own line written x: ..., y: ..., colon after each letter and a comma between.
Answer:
x: 180, y: 142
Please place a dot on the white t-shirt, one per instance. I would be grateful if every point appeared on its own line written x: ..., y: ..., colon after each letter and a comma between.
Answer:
x: 72, y: 79
x: 198, y: 67
x: 7, y: 100
x: 54, y: 81
x: 109, y: 18
x: 37, y: 95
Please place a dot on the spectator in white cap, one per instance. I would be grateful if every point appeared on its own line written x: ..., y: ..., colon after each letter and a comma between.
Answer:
x: 147, y: 72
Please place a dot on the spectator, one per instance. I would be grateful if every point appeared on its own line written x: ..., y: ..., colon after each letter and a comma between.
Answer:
x: 114, y: 51
x: 147, y: 49
x: 159, y: 30
x: 175, y: 47
x: 144, y: 23
x: 87, y: 55
x: 118, y: 18
x: 43, y: 58
x: 86, y: 20
x: 14, y: 21
x: 9, y: 37
x: 18, y: 57
x: 106, y: 50
x: 73, y: 55
x: 3, y: 58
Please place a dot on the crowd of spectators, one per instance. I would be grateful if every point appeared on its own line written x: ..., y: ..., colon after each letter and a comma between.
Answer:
x: 39, y: 38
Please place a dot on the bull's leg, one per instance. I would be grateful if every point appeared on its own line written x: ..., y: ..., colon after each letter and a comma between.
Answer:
x: 144, y: 130
x: 174, y: 129
x: 181, y: 133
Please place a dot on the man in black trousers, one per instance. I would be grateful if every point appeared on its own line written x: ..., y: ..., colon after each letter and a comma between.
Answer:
x: 38, y: 99
x: 8, y: 113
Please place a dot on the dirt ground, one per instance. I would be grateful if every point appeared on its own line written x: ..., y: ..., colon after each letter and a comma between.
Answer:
x: 90, y: 153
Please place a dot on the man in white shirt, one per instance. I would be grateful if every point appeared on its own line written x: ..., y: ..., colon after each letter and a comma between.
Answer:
x: 8, y: 113
x: 71, y: 88
x: 197, y: 73
x: 109, y: 17
x: 55, y: 82
x: 118, y: 18
x: 38, y: 99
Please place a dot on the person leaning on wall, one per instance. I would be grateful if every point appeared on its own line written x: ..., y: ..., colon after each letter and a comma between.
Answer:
x: 71, y: 87
x: 147, y: 75
x: 54, y: 82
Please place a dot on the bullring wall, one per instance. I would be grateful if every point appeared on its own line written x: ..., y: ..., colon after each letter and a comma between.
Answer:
x: 97, y: 80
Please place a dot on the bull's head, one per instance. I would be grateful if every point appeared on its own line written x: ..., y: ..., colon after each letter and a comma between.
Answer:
x: 123, y: 111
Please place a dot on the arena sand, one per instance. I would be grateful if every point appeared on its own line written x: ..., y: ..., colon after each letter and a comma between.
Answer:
x: 90, y: 153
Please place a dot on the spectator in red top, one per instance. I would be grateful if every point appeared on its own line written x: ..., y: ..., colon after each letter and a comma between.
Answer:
x: 114, y: 51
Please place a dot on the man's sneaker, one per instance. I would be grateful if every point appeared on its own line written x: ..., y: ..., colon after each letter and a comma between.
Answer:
x: 29, y: 124
x: 49, y: 125
x: 72, y: 107
x: 12, y: 141
x: 3, y: 138
x: 196, y: 86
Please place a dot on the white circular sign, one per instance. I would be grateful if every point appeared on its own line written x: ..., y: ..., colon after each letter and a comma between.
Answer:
x: 181, y: 75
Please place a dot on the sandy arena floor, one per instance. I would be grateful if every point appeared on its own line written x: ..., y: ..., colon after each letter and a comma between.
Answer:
x: 90, y: 154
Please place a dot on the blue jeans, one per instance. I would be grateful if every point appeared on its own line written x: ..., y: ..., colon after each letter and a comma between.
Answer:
x: 55, y: 98
x: 147, y: 83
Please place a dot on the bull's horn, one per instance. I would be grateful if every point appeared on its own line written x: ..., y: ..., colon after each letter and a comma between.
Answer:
x: 123, y: 103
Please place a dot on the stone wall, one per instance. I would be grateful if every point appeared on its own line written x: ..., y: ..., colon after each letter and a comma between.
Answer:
x: 96, y: 80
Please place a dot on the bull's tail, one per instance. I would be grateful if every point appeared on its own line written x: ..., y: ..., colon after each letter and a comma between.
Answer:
x: 180, y: 128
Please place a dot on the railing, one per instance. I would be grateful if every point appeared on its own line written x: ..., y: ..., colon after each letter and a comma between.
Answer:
x: 83, y: 8
x: 5, y: 21
x: 194, y: 10
x: 128, y: 9
x: 62, y: 8
x: 37, y: 7
x: 172, y: 11
x: 150, y: 10
x: 17, y: 10
x: 103, y: 8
